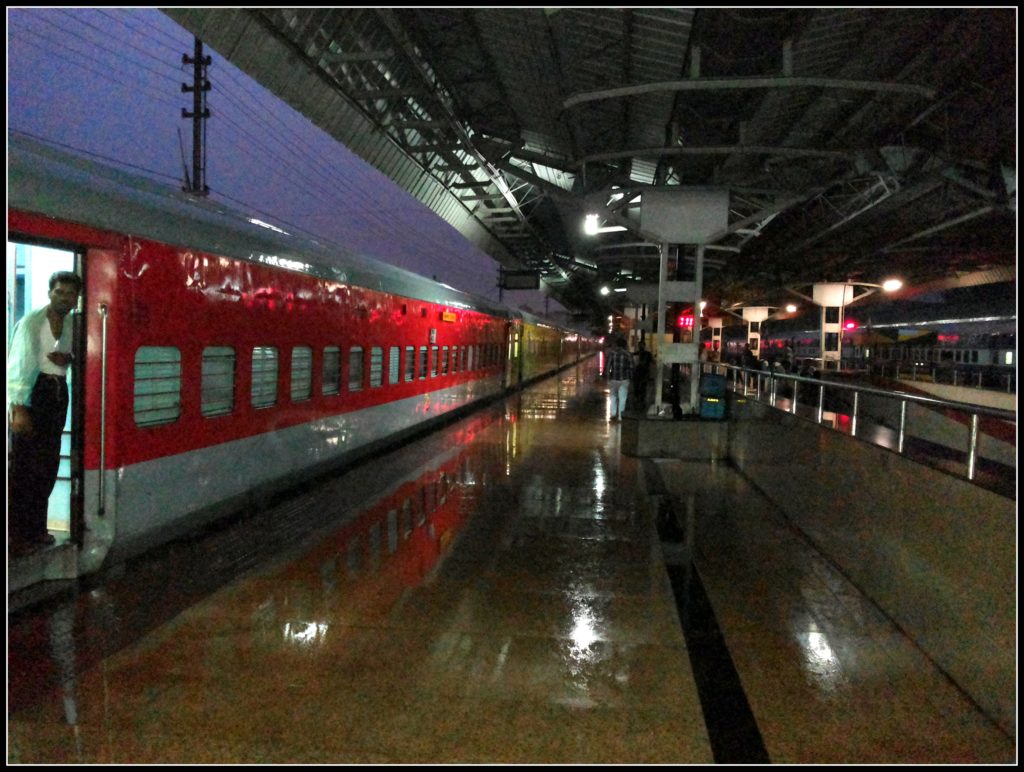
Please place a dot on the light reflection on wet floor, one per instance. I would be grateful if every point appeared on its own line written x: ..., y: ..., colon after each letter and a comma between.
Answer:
x: 829, y: 678
x: 503, y: 599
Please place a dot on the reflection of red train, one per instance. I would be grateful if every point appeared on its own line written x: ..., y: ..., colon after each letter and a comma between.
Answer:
x: 389, y: 547
x: 222, y: 359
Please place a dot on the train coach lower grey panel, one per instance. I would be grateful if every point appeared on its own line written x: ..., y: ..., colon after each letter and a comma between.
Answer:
x: 150, y: 508
x: 935, y: 552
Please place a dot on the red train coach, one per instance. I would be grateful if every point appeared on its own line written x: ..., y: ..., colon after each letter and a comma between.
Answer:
x: 223, y: 359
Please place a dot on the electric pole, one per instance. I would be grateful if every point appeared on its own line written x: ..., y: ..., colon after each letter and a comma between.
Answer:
x: 200, y: 85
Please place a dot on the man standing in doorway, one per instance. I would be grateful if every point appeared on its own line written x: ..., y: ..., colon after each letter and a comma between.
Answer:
x: 618, y: 370
x: 37, y: 392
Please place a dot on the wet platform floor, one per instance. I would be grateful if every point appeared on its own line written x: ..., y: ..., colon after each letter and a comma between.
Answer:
x: 495, y: 592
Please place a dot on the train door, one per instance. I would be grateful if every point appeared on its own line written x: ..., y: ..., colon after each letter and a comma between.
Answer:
x: 29, y: 267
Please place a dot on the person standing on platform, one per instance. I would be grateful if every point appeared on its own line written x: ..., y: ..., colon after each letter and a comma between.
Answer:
x: 37, y: 392
x: 618, y: 369
x: 642, y: 375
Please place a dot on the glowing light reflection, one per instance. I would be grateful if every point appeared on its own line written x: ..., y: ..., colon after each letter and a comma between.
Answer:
x: 821, y: 661
x: 305, y: 633
x: 583, y: 634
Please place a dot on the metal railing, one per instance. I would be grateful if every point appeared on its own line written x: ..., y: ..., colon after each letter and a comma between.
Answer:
x: 768, y: 382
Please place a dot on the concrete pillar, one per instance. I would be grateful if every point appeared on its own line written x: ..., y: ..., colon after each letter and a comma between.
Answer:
x: 754, y: 316
x: 833, y: 297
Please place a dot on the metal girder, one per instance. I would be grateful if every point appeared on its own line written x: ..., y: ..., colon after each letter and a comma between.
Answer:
x: 776, y: 150
x: 391, y: 93
x: 407, y: 48
x: 721, y: 84
x: 361, y: 56
x: 940, y: 227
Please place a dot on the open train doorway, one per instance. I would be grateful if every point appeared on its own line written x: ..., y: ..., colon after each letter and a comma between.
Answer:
x: 29, y: 268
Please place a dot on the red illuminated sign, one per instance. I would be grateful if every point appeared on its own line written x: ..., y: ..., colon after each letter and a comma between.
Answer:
x: 686, y: 320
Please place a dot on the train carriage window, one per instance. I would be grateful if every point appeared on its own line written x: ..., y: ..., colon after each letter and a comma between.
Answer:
x: 354, y: 555
x: 157, y: 385
x: 393, y: 366
x: 264, y: 376
x: 302, y: 373
x: 218, y: 381
x: 374, y: 547
x: 355, y: 368
x: 433, y: 361
x: 332, y: 370
x: 423, y: 362
x: 444, y: 360
x: 423, y: 509
x: 974, y: 356
x: 376, y: 367
x: 410, y: 363
x: 455, y: 359
x: 392, y: 531
x: 406, y: 519
x: 462, y: 355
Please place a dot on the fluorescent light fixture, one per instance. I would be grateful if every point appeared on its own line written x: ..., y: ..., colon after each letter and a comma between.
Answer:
x: 891, y: 285
x: 605, y: 290
x: 591, y: 227
x: 621, y: 289
x: 790, y: 308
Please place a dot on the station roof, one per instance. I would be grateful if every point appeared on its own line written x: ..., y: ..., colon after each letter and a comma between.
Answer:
x: 854, y: 144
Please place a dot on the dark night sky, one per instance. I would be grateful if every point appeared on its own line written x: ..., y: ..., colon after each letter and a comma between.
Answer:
x: 108, y: 82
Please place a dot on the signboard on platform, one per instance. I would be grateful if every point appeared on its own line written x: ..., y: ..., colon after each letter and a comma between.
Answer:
x: 678, y: 353
x: 689, y: 215
x: 520, y: 280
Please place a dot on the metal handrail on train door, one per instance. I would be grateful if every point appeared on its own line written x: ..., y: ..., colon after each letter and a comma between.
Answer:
x: 101, y: 510
x: 975, y: 411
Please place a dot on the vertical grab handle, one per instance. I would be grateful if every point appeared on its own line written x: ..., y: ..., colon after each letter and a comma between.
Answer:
x: 103, y: 409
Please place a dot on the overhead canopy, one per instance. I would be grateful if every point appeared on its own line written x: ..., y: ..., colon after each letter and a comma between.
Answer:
x: 853, y: 143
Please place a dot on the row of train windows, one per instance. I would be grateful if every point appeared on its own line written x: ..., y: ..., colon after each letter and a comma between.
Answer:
x: 157, y: 381
x: 918, y: 354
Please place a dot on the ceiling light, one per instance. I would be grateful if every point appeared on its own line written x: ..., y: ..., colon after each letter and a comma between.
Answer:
x: 891, y: 285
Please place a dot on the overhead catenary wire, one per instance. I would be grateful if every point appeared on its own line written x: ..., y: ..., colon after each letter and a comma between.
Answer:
x: 393, y: 224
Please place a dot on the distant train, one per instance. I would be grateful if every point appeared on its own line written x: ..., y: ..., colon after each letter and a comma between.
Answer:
x: 223, y: 360
x: 965, y: 336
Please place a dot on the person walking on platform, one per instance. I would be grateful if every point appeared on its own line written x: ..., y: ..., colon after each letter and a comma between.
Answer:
x: 37, y: 393
x: 618, y: 369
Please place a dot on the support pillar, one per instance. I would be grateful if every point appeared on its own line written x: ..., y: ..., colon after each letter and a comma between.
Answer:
x: 660, y: 313
x: 833, y: 299
x: 695, y: 366
x: 754, y: 316
x: 715, y: 323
